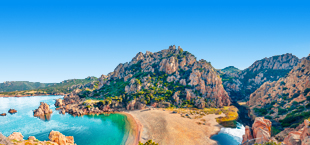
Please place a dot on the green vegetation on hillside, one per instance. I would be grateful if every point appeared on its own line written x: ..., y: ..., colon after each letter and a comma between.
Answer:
x: 230, y: 69
x: 63, y: 87
x: 22, y: 85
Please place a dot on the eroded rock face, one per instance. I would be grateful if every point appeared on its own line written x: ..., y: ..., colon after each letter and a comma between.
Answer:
x: 285, y: 91
x: 16, y: 136
x: 60, y: 139
x: 261, y: 131
x: 59, y: 103
x: 240, y: 84
x: 293, y: 138
x: 248, y: 135
x: 4, y: 140
x: 42, y: 110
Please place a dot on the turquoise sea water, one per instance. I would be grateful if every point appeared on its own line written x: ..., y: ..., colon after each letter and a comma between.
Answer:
x: 110, y: 129
x: 230, y: 136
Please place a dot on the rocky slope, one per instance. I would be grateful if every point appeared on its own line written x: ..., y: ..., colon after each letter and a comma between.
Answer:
x: 239, y: 85
x: 260, y: 132
x: 286, y: 101
x: 56, y: 138
x: 171, y: 77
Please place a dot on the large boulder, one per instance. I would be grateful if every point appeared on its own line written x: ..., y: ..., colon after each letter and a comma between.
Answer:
x: 12, y: 111
x: 261, y: 130
x: 293, y: 138
x: 42, y: 110
x: 248, y: 135
x: 60, y: 139
x: 59, y: 103
x: 16, y: 136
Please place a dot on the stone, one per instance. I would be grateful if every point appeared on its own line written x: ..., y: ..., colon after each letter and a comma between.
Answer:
x: 12, y: 111
x: 261, y: 129
x: 3, y: 114
x: 60, y: 139
x: 59, y: 103
x: 31, y: 138
x: 4, y: 140
x: 42, y: 110
x: 293, y: 138
x: 16, y: 136
x: 248, y: 135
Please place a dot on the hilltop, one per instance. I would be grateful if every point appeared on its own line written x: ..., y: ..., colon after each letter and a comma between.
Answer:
x: 10, y: 86
x: 239, y: 85
x: 63, y: 87
x: 286, y: 101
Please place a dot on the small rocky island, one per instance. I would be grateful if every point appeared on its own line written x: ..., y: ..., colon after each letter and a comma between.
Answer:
x: 43, y: 109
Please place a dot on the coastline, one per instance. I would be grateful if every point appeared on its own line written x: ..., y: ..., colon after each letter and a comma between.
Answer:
x: 134, y: 135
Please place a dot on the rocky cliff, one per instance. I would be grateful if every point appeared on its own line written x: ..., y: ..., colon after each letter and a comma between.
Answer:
x: 285, y: 101
x: 56, y: 138
x: 168, y: 77
x: 260, y: 133
x: 240, y: 84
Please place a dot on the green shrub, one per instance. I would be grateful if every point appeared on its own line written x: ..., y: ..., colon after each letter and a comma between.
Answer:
x: 268, y: 117
x: 306, y: 91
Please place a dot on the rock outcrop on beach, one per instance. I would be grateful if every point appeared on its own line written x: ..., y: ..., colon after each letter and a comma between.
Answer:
x: 12, y: 111
x: 171, y: 76
x: 56, y: 138
x: 60, y: 139
x: 286, y: 101
x: 260, y: 133
x: 43, y: 109
x: 4, y: 140
x: 240, y: 84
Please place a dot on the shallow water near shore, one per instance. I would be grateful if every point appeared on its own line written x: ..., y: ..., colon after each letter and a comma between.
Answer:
x: 230, y: 136
x: 110, y: 129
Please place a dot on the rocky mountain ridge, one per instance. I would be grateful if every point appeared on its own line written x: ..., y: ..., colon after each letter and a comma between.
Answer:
x: 286, y: 101
x: 239, y: 85
x: 170, y: 77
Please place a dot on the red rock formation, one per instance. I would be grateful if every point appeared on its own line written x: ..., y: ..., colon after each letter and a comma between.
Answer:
x: 16, y: 136
x: 12, y: 111
x: 42, y: 110
x: 248, y: 134
x: 60, y: 139
x: 261, y: 131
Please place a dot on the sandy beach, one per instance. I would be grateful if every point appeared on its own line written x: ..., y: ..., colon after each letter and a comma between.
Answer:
x: 135, y: 131
x: 167, y: 128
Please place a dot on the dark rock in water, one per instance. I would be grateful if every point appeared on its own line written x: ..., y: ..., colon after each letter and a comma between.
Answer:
x: 3, y: 114
x: 4, y: 140
x: 12, y: 111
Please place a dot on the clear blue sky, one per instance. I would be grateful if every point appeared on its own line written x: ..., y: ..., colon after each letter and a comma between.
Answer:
x: 54, y: 40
